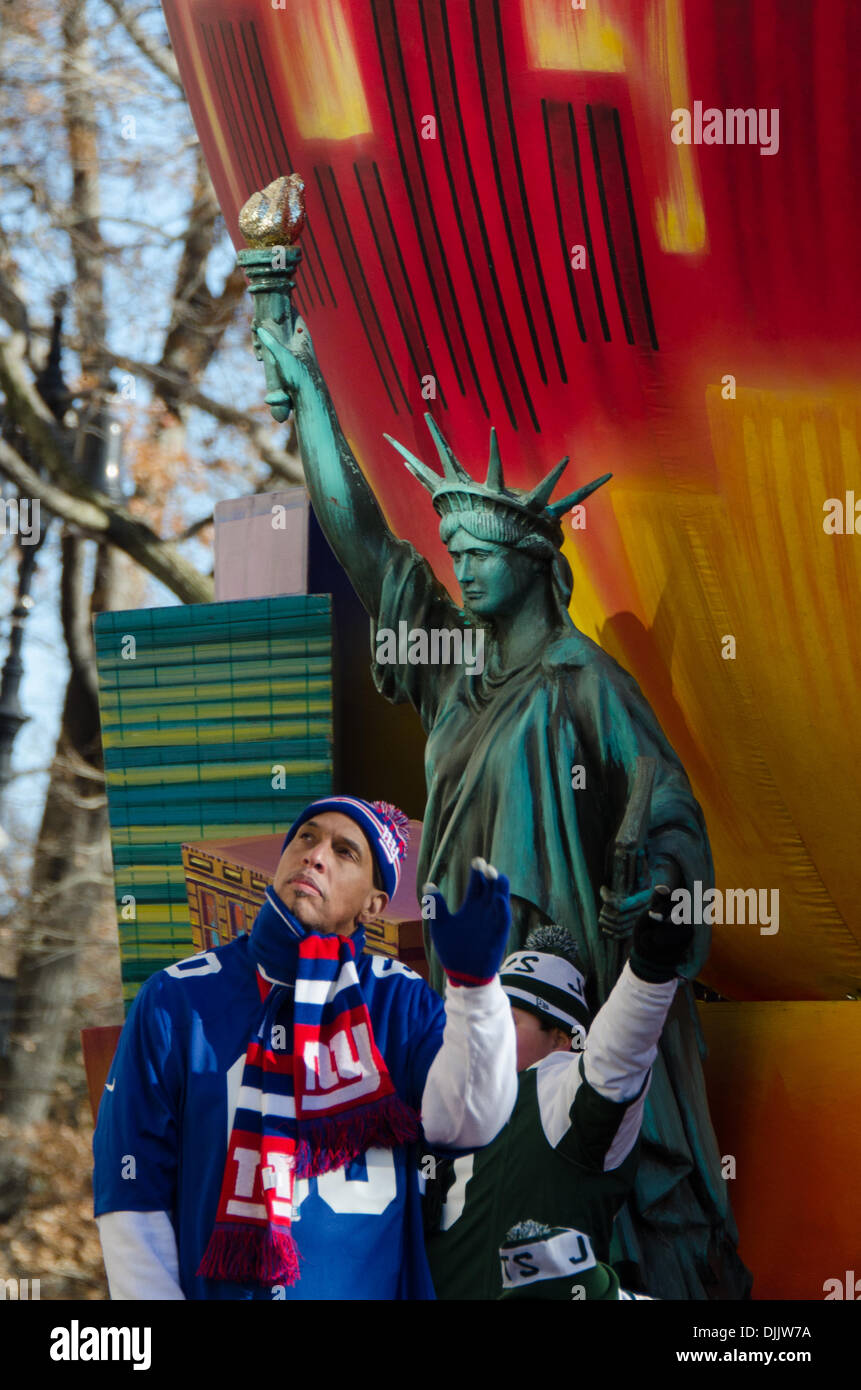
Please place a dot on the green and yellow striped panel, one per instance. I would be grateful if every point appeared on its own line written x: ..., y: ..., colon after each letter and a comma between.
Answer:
x: 216, y: 722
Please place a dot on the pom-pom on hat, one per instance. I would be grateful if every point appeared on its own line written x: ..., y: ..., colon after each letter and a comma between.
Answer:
x: 386, y: 828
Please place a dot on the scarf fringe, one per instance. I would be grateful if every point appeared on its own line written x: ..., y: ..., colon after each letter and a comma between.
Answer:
x: 332, y: 1142
x: 250, y: 1255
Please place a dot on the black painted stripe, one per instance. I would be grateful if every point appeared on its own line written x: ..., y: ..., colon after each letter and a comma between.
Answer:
x: 427, y: 252
x: 497, y: 175
x: 524, y: 200
x: 429, y: 233
x: 608, y: 231
x: 274, y: 127
x: 638, y: 249
x: 253, y: 144
x: 587, y: 231
x: 557, y: 203
x: 230, y: 102
x: 455, y: 202
x: 410, y: 324
x: 274, y: 168
x: 407, y: 282
x: 266, y: 159
x: 355, y: 277
x: 217, y: 69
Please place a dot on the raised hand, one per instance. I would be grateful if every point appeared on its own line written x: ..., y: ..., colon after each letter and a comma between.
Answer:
x: 288, y: 365
x: 471, y: 942
x: 660, y: 944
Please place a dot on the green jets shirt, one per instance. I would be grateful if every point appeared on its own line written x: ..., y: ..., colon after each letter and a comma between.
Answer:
x: 570, y: 1166
x: 568, y: 1155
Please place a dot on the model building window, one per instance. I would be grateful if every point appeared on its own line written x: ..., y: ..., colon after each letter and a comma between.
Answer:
x: 209, y: 920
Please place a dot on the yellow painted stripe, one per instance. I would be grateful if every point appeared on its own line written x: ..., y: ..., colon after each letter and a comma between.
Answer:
x: 193, y: 773
x: 168, y: 738
x: 219, y: 690
x: 204, y: 711
x: 146, y: 876
x: 236, y: 654
x: 185, y: 834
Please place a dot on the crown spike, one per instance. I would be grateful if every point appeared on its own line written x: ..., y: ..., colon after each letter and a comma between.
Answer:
x: 574, y: 499
x: 495, y: 479
x: 426, y: 476
x: 540, y: 495
x: 454, y: 471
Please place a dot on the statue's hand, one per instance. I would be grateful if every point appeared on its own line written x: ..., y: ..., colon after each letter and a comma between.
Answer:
x: 471, y: 943
x: 620, y: 914
x: 293, y: 361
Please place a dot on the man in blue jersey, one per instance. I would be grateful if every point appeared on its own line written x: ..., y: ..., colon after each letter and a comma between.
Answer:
x: 258, y: 1133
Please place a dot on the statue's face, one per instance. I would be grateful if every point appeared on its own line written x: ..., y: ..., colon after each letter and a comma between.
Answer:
x: 493, y: 578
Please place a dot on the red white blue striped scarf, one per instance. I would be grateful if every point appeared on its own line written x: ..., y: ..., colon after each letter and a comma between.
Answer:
x: 315, y: 1095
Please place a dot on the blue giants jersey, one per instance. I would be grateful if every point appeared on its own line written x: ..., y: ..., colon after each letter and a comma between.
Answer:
x: 167, y: 1109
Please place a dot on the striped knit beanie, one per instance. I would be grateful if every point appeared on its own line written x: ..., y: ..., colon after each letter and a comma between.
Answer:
x: 538, y: 1261
x: 386, y: 828
x: 542, y: 979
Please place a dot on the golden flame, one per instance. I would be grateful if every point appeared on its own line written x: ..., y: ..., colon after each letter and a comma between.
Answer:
x: 275, y: 215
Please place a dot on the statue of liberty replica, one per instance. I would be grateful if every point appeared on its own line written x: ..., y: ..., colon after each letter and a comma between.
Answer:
x: 531, y: 762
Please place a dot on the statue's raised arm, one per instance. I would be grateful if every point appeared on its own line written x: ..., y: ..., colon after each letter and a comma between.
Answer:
x: 271, y: 222
x: 343, y: 501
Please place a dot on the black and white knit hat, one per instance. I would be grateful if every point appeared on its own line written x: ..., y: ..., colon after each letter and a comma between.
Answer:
x: 539, y: 1261
x: 542, y: 979
x: 551, y: 1262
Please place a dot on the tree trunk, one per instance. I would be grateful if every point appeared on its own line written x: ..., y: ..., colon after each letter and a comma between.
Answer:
x: 70, y: 887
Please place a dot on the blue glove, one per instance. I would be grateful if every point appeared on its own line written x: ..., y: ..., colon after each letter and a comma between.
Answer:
x: 471, y: 943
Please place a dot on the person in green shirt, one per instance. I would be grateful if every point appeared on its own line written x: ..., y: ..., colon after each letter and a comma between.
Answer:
x: 569, y: 1152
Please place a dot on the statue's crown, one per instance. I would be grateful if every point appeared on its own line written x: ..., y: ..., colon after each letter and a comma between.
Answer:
x: 456, y: 491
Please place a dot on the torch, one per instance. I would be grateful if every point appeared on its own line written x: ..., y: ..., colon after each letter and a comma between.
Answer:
x: 271, y: 222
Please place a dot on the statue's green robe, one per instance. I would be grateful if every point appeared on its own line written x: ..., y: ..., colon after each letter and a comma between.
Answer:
x: 500, y: 762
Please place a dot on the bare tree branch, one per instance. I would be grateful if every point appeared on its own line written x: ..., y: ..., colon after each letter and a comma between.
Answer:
x: 75, y: 618
x: 286, y: 466
x: 96, y: 515
x: 160, y: 57
x: 12, y: 305
x: 196, y: 527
